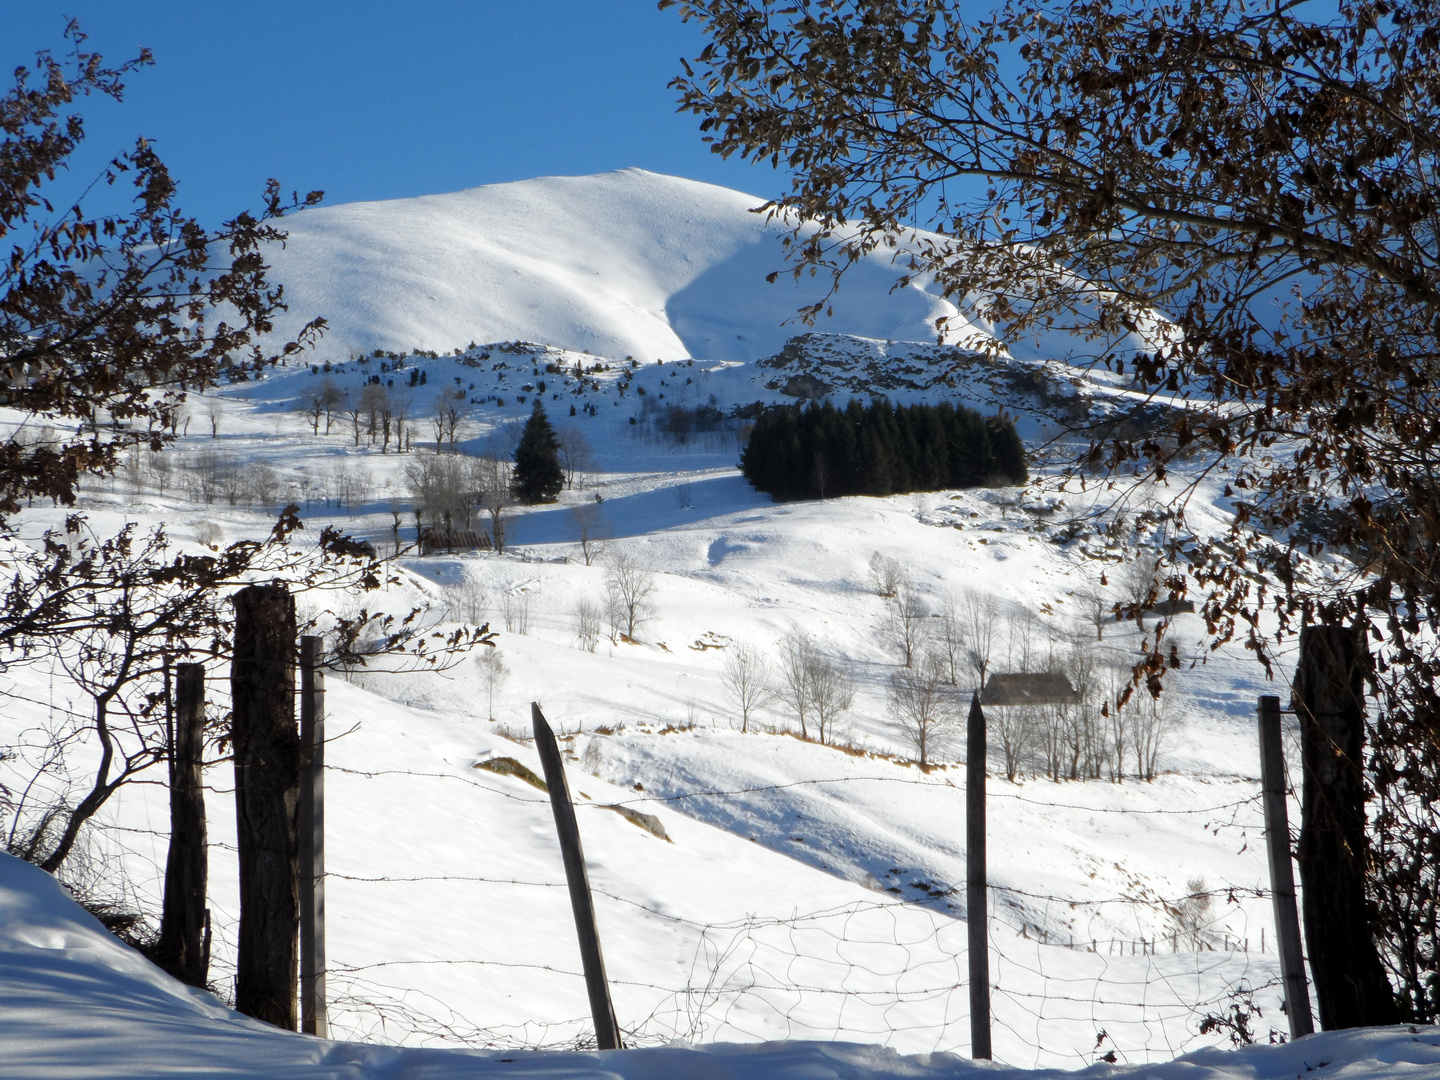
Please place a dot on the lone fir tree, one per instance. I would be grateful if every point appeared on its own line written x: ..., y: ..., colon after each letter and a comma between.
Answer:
x: 538, y: 476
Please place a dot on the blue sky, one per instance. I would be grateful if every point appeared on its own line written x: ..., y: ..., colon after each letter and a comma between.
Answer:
x: 375, y: 100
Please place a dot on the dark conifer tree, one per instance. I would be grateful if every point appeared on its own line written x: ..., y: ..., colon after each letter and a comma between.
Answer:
x: 538, y: 476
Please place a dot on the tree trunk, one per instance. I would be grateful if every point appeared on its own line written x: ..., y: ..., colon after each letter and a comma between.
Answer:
x: 267, y: 787
x: 1350, y: 982
x: 181, y: 948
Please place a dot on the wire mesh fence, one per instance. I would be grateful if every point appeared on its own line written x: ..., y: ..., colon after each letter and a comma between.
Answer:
x: 1066, y: 987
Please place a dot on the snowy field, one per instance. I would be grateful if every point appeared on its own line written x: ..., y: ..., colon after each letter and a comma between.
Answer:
x: 801, y: 891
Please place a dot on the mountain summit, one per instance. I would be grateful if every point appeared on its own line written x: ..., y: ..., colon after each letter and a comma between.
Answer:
x: 627, y: 263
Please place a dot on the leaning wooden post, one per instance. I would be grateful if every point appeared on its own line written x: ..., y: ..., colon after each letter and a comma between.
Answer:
x: 181, y: 948
x: 1329, y: 696
x: 313, y: 1018
x: 266, y: 745
x: 607, y: 1031
x: 1282, y: 872
x: 976, y: 915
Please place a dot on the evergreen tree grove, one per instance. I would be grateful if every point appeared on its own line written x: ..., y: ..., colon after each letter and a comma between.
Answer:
x: 879, y: 449
x: 538, y: 476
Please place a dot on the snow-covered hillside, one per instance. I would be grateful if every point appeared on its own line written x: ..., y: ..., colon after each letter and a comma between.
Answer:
x: 804, y: 891
x: 801, y: 890
x: 628, y: 263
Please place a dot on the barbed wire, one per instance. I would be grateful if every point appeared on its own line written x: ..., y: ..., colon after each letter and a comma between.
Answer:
x: 761, y: 788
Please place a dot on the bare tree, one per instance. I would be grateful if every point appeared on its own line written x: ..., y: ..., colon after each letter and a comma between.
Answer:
x: 1095, y: 610
x: 885, y: 575
x: 379, y: 406
x: 493, y: 676
x: 588, y: 616
x: 208, y: 533
x: 745, y: 675
x: 1190, y: 915
x: 467, y: 600
x: 515, y: 610
x: 313, y: 406
x: 1047, y: 731
x: 923, y: 703
x: 490, y: 479
x: 234, y: 483
x: 215, y: 411
x: 353, y: 406
x: 907, y: 621
x: 264, y: 484
x: 1152, y: 723
x: 1139, y: 585
x: 978, y: 614
x: 437, y: 421
x: 793, y: 674
x: 1023, y: 640
x: 576, y: 456
x: 205, y: 468
x: 400, y: 406
x: 1085, y: 737
x: 332, y: 398
x: 589, y: 529
x: 832, y: 692
x: 453, y: 415
x: 1117, y: 724
x: 629, y: 592
x: 396, y: 511
x: 1011, y: 727
x: 949, y: 638
x: 446, y: 419
x: 442, y: 485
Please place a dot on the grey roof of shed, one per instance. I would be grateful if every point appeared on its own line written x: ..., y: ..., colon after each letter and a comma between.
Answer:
x: 1029, y: 688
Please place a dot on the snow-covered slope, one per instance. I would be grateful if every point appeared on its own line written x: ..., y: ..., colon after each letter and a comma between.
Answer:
x: 75, y: 1004
x: 806, y: 891
x: 628, y: 263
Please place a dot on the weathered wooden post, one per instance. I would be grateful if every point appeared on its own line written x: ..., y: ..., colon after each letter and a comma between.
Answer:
x: 313, y: 1017
x: 1350, y: 982
x: 976, y: 908
x: 181, y: 948
x: 607, y: 1030
x: 1282, y: 872
x: 266, y: 747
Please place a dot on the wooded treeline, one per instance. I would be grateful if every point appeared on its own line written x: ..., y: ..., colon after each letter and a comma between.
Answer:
x: 879, y: 449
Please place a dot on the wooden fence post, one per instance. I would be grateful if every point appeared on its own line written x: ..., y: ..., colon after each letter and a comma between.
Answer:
x: 313, y: 1016
x: 607, y: 1031
x: 976, y: 910
x: 1282, y: 873
x: 1350, y: 982
x: 181, y: 948
x: 266, y: 746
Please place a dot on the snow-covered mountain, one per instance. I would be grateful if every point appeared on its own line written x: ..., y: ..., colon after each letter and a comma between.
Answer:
x: 628, y: 263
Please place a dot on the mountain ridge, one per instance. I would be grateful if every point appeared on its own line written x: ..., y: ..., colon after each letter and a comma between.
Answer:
x: 622, y: 264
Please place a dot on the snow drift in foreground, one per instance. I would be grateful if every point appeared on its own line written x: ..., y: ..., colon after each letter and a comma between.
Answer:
x: 75, y: 1002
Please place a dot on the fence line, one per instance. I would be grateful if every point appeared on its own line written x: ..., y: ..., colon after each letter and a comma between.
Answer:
x: 888, y: 970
